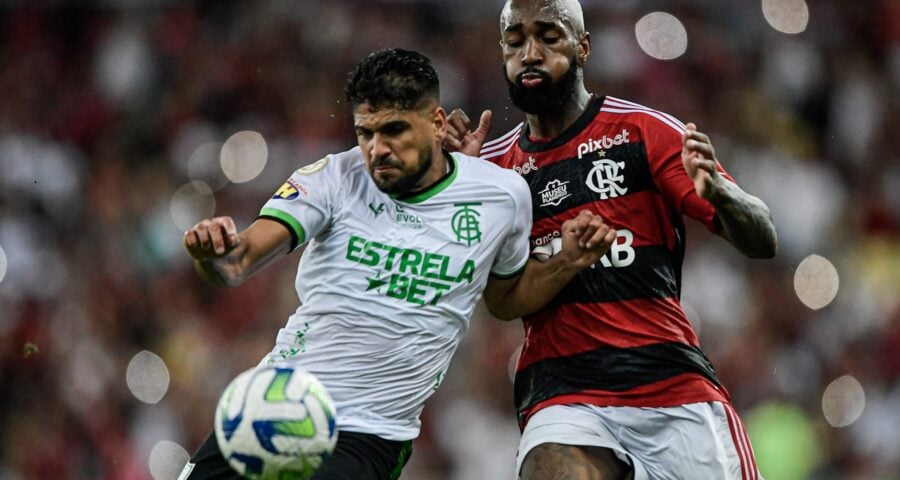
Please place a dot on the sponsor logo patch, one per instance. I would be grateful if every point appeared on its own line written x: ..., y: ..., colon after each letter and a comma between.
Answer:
x: 554, y: 193
x: 313, y: 167
x: 603, y: 143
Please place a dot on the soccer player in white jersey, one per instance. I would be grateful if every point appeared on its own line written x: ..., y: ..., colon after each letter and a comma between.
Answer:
x: 403, y: 239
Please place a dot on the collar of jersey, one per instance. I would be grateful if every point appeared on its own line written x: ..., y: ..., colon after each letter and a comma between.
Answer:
x: 580, y: 124
x: 435, y: 188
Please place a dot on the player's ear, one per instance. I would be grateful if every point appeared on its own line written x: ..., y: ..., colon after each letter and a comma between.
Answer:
x: 583, y: 49
x: 439, y: 123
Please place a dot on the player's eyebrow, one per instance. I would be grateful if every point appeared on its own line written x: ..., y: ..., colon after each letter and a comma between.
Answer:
x: 393, y: 126
x: 542, y: 26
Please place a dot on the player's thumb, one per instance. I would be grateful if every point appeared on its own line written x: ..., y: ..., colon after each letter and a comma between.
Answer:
x: 484, y: 125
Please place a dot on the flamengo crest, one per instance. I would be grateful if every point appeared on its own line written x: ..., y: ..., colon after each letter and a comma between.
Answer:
x: 606, y: 178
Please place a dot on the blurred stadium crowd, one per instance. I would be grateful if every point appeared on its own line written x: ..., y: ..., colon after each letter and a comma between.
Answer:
x: 114, y: 115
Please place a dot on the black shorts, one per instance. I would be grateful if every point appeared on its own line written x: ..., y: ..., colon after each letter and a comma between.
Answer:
x: 357, y: 456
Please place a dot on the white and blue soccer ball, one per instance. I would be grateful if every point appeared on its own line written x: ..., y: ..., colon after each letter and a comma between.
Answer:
x: 275, y: 423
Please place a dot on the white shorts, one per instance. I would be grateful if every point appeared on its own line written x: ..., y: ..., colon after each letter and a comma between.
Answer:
x: 697, y: 440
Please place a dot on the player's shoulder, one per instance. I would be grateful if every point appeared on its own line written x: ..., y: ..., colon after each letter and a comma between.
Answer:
x: 490, y: 175
x: 480, y: 169
x: 336, y: 165
x: 494, y: 150
x: 645, y: 117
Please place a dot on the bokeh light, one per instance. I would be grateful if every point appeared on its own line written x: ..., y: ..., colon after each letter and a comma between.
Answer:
x: 784, y: 440
x: 244, y: 156
x: 2, y: 264
x: 191, y: 203
x: 204, y: 166
x: 816, y: 282
x: 786, y: 16
x: 843, y: 401
x: 661, y: 35
x: 167, y: 459
x: 147, y: 377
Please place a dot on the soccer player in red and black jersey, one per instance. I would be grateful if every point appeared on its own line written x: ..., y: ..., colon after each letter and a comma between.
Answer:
x: 611, y: 381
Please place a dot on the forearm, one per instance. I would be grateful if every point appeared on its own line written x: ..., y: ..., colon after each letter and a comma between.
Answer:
x: 534, y: 289
x: 745, y: 221
x: 221, y: 272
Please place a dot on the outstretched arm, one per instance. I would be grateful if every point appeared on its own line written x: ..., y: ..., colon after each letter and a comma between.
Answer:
x: 585, y: 239
x: 225, y: 258
x: 743, y: 220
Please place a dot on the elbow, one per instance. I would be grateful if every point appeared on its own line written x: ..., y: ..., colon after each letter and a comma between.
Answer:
x: 767, y: 248
x: 500, y: 312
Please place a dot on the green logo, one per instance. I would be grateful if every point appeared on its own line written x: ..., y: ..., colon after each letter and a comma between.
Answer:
x: 377, y: 211
x: 465, y: 223
x: 412, y: 275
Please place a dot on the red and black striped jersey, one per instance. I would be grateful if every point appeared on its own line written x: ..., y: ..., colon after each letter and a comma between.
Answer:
x: 617, y: 334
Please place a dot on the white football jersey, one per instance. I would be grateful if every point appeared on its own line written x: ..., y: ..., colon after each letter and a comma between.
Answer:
x: 387, y: 284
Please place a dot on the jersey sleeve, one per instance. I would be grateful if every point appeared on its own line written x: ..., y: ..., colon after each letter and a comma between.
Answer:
x: 663, y: 144
x: 305, y: 203
x: 515, y: 250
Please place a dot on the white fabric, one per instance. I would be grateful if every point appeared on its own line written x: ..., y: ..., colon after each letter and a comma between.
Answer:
x: 687, y: 441
x: 387, y: 286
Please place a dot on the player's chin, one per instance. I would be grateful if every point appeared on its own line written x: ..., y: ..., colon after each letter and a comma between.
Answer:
x: 387, y: 183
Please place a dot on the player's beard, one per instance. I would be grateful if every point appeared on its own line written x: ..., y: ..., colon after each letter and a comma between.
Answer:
x: 407, y: 180
x: 549, y: 96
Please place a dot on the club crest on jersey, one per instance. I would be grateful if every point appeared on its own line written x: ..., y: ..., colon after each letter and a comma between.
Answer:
x: 465, y: 223
x: 603, y: 143
x: 606, y: 178
x: 554, y: 193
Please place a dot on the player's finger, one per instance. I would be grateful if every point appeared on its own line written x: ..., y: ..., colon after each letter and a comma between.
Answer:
x: 703, y: 148
x: 453, y: 138
x: 459, y: 120
x: 598, y: 232
x: 230, y: 232
x: 484, y: 126
x: 201, y: 230
x: 587, y: 223
x: 704, y: 164
x: 609, y: 238
x: 696, y: 135
x: 217, y: 238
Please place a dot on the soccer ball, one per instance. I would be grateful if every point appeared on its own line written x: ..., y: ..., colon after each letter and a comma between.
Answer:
x: 275, y: 423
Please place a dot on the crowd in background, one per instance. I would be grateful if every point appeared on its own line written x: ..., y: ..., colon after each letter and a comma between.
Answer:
x: 108, y: 110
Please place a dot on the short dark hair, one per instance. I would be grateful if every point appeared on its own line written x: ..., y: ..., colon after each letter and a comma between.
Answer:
x: 393, y: 78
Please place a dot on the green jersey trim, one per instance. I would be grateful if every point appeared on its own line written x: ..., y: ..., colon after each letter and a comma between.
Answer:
x: 514, y: 274
x: 434, y: 189
x: 288, y: 221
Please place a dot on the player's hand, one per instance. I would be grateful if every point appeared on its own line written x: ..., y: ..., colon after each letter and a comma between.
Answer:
x: 460, y: 138
x: 585, y: 239
x: 211, y: 238
x: 699, y: 159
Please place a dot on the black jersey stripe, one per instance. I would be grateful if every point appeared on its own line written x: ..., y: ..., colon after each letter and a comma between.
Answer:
x: 651, y: 274
x: 610, y: 369
x: 585, y: 180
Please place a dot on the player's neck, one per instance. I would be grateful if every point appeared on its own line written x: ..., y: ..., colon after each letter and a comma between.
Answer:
x: 441, y: 167
x: 550, y: 125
